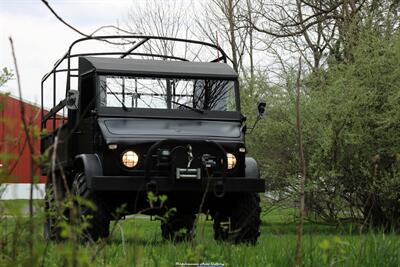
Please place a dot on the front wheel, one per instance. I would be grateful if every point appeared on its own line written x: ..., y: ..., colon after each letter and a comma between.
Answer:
x: 238, y: 219
x: 91, y: 208
x: 54, y: 208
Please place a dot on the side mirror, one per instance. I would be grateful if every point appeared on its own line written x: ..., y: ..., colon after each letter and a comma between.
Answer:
x: 261, y: 112
x: 72, y: 99
x: 261, y: 108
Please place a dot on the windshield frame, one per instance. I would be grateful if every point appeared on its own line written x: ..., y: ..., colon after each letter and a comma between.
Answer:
x: 131, y: 111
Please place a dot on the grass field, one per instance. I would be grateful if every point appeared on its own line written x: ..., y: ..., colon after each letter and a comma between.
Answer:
x: 137, y: 242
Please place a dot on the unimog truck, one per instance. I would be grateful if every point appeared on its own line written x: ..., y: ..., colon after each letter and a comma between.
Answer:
x: 140, y: 123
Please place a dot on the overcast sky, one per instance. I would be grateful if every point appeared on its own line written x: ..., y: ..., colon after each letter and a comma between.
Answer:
x: 40, y: 39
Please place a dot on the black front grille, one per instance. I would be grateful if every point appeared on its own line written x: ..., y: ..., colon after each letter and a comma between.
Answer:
x: 179, y: 158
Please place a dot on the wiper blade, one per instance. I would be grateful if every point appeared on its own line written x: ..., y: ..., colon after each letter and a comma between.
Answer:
x: 189, y: 107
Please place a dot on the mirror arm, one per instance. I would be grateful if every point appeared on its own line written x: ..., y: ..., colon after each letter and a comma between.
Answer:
x: 255, y: 123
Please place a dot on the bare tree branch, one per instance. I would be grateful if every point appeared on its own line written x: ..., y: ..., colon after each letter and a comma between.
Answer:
x: 82, y: 33
x: 30, y: 146
x: 62, y: 20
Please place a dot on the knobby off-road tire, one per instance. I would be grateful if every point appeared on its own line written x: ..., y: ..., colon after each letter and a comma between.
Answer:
x: 238, y: 220
x: 98, y: 218
x: 178, y: 227
x: 54, y: 209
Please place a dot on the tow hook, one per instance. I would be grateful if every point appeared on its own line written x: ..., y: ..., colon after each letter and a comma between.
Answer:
x: 219, y: 189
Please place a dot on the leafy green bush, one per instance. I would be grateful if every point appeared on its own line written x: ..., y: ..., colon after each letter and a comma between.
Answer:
x: 351, y: 115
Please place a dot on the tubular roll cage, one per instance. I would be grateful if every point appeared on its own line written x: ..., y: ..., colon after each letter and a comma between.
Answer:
x: 52, y: 114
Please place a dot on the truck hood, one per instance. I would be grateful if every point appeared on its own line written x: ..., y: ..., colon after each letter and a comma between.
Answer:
x: 123, y: 128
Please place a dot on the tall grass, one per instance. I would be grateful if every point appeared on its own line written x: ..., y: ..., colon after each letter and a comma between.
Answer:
x: 138, y: 242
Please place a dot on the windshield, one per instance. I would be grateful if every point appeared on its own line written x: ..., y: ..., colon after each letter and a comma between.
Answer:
x: 167, y: 93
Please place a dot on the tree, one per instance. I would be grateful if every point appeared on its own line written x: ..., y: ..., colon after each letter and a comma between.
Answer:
x: 353, y: 133
x: 166, y: 19
x: 318, y: 30
x: 220, y: 22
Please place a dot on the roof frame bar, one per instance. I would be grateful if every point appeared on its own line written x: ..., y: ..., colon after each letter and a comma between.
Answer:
x: 137, y: 45
x: 144, y: 38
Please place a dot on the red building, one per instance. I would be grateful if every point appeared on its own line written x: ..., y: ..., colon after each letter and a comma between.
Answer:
x: 15, y: 155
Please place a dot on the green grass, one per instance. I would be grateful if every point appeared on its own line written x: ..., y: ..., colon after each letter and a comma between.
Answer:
x: 138, y: 243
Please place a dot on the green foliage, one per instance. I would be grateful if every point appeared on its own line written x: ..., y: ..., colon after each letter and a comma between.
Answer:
x: 5, y: 76
x: 350, y: 124
x: 141, y: 245
x: 334, y: 251
x: 158, y: 202
x: 352, y: 131
x: 273, y: 141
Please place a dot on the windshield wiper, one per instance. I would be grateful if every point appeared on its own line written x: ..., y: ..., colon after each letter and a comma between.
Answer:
x: 119, y: 100
x: 189, y: 107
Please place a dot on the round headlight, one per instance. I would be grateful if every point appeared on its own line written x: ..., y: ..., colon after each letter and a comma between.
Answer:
x: 130, y: 159
x: 231, y: 160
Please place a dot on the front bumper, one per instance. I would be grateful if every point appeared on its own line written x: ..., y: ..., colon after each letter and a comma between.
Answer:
x: 161, y: 184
